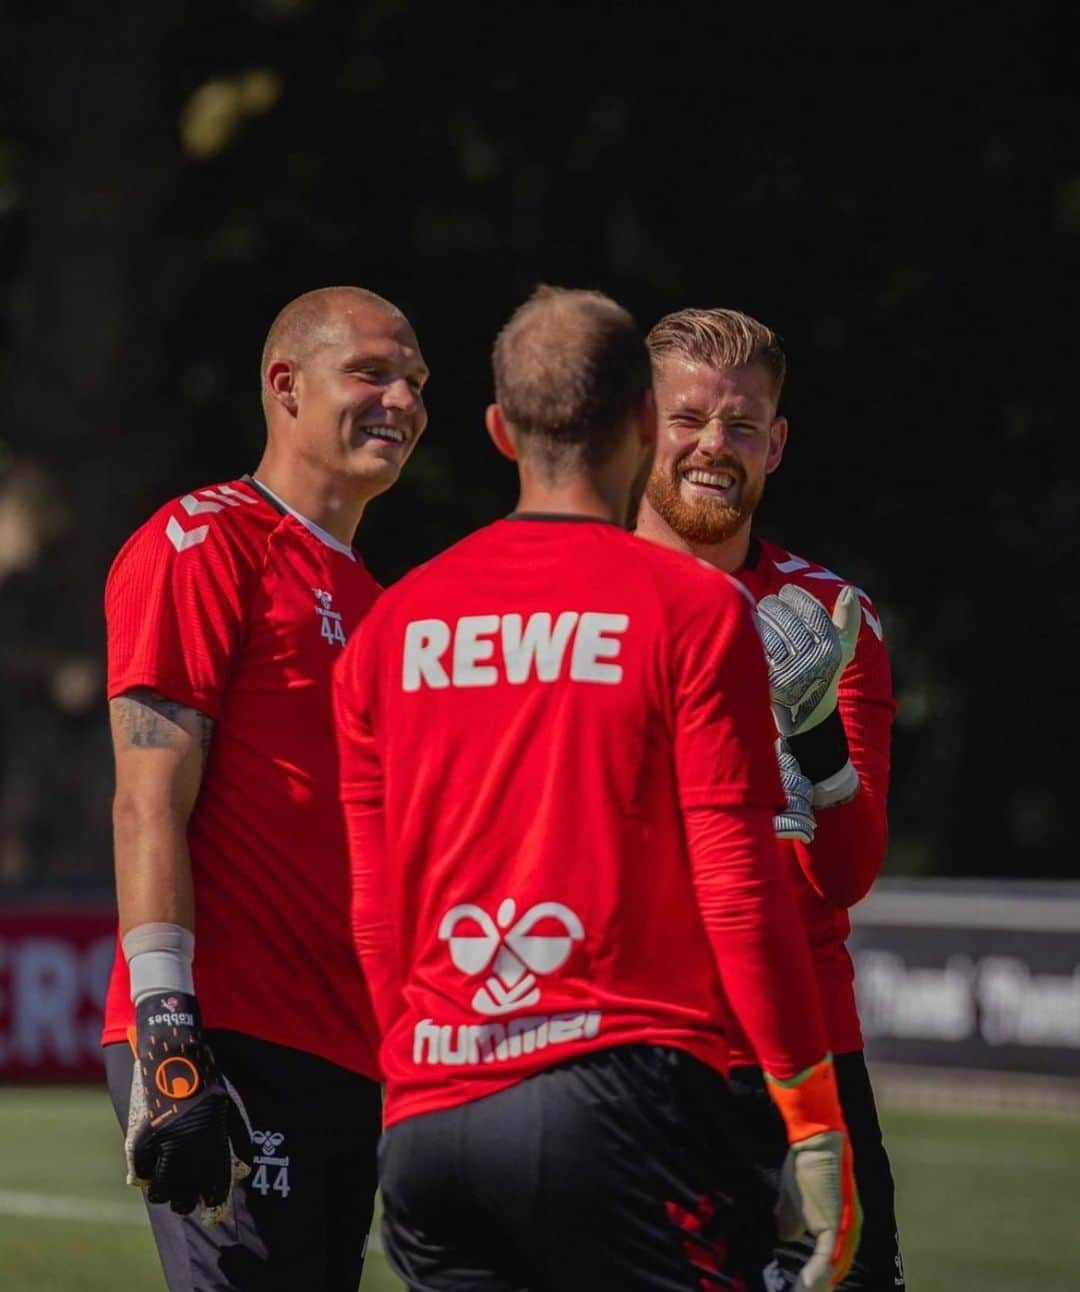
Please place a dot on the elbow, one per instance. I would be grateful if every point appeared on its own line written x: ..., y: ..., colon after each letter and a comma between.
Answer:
x: 134, y: 814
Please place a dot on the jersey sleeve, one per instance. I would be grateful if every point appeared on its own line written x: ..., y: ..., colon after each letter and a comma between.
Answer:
x: 724, y: 750
x: 730, y: 789
x: 362, y: 797
x: 176, y: 612
x: 850, y: 840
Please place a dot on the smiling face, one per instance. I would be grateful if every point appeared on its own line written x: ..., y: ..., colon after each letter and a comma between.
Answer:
x: 355, y: 395
x: 718, y: 438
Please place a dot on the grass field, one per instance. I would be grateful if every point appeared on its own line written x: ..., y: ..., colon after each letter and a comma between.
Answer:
x: 986, y: 1202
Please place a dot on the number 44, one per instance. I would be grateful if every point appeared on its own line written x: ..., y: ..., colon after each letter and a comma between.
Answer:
x: 333, y: 631
x: 261, y: 1181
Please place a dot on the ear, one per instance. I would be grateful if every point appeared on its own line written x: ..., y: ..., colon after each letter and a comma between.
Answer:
x: 500, y: 435
x: 777, y: 441
x: 281, y: 383
x: 647, y: 423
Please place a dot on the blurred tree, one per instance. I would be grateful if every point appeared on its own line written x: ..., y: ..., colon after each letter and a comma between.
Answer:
x: 900, y: 199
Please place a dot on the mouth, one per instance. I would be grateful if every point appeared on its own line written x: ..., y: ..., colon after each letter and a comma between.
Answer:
x: 383, y: 431
x: 710, y: 480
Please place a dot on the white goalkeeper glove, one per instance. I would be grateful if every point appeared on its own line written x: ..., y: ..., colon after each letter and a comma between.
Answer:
x: 807, y: 652
x: 797, y: 819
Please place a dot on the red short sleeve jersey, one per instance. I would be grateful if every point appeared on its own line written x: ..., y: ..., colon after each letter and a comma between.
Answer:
x: 226, y: 603
x: 525, y: 723
x: 841, y: 864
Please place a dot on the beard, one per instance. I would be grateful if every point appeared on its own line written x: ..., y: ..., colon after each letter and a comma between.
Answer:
x: 703, y: 519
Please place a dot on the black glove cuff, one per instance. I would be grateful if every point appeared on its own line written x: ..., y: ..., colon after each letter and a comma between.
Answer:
x: 823, y: 750
x: 175, y: 1063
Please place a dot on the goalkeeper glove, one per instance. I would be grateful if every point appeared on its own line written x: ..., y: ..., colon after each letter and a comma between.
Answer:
x: 797, y: 819
x: 817, y: 1182
x: 807, y: 652
x: 188, y: 1136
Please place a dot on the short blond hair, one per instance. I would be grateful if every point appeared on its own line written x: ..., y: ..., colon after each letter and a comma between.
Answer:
x: 721, y: 339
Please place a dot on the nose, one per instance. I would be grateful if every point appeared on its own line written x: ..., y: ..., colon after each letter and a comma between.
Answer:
x: 713, y: 437
x: 399, y: 394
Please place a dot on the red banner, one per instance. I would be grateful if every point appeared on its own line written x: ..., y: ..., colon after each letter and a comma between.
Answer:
x: 54, y: 970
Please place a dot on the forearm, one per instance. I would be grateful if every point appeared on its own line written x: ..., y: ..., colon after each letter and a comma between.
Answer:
x: 153, y: 865
x: 848, y: 850
x: 371, y: 923
x: 160, y: 748
x: 757, y: 937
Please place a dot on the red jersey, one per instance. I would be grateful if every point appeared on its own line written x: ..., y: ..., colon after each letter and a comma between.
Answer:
x: 843, y: 861
x: 549, y: 736
x: 226, y: 603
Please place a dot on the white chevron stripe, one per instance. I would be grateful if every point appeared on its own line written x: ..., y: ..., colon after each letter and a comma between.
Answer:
x: 194, y: 507
x: 791, y: 565
x: 182, y: 538
x: 235, y: 493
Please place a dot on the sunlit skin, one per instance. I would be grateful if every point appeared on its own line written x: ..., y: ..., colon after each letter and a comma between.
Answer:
x: 722, y: 423
x: 331, y: 413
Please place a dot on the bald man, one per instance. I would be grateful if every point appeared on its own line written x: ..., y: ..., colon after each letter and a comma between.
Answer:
x: 235, y: 984
x: 564, y: 865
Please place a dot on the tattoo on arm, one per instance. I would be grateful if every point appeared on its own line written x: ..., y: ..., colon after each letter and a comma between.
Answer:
x: 146, y: 720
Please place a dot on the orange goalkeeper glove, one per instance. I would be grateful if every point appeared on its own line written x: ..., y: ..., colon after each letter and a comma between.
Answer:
x: 817, y: 1183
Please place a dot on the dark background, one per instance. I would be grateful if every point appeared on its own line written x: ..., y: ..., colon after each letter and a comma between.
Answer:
x: 898, y: 194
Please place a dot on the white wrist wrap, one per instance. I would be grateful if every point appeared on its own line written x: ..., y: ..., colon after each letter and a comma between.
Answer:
x: 159, y: 958
x: 839, y: 788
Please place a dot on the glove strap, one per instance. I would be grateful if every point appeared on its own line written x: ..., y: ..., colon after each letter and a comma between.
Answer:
x: 822, y: 750
x: 810, y: 1102
x: 175, y: 1064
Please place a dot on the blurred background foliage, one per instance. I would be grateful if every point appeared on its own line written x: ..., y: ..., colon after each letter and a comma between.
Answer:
x: 897, y: 192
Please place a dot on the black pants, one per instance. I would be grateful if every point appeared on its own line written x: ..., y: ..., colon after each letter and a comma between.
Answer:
x: 613, y: 1171
x: 300, y: 1221
x: 878, y: 1266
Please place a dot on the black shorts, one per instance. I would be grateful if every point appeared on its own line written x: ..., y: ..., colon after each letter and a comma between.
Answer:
x: 613, y: 1171
x: 300, y: 1221
x: 878, y: 1265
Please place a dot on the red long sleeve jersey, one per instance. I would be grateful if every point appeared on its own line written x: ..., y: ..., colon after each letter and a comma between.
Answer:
x: 545, y: 734
x: 227, y: 604
x: 843, y: 861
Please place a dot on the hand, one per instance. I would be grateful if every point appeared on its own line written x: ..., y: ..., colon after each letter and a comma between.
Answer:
x: 797, y: 819
x: 807, y: 651
x: 817, y: 1182
x: 817, y: 1195
x: 188, y: 1136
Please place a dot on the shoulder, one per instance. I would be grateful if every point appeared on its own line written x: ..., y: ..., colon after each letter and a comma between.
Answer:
x: 690, y: 593
x: 783, y: 566
x: 215, y: 526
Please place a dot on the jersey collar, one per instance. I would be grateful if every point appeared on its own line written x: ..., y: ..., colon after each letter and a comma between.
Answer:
x: 317, y: 530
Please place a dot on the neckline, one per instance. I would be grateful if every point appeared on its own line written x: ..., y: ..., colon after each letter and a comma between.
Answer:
x: 572, y: 516
x: 316, y: 531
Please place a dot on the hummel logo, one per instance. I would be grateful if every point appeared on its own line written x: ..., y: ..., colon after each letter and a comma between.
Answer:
x: 515, y: 957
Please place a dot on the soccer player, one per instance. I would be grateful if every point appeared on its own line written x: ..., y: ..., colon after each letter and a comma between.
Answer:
x: 235, y: 974
x: 718, y: 376
x: 559, y: 785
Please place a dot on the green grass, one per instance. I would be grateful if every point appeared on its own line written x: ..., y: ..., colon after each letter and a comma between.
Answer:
x: 985, y: 1201
x: 62, y: 1147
